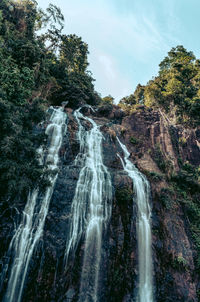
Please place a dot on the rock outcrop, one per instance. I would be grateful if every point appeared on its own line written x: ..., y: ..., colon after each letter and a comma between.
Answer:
x: 156, y: 148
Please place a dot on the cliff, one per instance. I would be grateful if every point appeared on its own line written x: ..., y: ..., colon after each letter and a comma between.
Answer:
x: 160, y: 151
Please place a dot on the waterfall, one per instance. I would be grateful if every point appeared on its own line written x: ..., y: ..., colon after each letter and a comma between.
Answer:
x: 30, y: 230
x: 91, y: 206
x: 142, y: 191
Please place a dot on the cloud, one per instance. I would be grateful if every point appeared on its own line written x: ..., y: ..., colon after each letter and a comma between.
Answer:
x: 108, y: 67
x: 111, y: 78
x: 120, y: 41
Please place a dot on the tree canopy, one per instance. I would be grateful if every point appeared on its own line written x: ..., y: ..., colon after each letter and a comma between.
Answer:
x: 36, y: 70
x: 175, y: 90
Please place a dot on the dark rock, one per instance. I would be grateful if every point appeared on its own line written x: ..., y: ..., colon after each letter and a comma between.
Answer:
x: 49, y: 280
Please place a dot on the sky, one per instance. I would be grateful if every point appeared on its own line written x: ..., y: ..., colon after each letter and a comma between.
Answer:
x: 128, y: 39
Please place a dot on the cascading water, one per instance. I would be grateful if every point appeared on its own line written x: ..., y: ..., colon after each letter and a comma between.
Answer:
x: 142, y: 190
x: 91, y: 207
x: 30, y: 230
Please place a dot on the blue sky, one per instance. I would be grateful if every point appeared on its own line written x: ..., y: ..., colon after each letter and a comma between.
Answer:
x: 128, y: 39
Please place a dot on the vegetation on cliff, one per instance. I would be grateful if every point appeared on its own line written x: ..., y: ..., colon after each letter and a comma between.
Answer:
x: 36, y: 70
x: 175, y: 90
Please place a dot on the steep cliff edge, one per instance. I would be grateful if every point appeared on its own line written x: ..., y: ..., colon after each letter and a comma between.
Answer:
x: 159, y: 150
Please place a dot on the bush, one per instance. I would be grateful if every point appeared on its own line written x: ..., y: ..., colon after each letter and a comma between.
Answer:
x: 167, y: 197
x: 124, y: 195
x: 154, y: 176
x: 159, y: 158
x: 134, y: 140
x: 180, y: 263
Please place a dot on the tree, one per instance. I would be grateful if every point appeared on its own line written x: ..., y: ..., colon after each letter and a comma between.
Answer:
x: 176, y: 57
x: 108, y: 99
x: 35, y: 71
x: 24, y: 71
x: 53, y: 20
x: 139, y: 94
x: 73, y: 53
x: 175, y: 90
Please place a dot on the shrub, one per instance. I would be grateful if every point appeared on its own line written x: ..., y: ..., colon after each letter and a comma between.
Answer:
x: 134, y: 140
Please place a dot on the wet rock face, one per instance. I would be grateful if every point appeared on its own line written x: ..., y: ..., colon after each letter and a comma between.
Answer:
x: 150, y: 132
x: 149, y: 141
x: 173, y: 252
x: 52, y: 280
x: 154, y: 143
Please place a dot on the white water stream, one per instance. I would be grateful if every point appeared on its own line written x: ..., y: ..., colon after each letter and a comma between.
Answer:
x: 30, y: 230
x: 91, y: 206
x: 142, y: 191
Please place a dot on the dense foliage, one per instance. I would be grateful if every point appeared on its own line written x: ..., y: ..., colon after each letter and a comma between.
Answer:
x: 176, y: 89
x: 35, y: 71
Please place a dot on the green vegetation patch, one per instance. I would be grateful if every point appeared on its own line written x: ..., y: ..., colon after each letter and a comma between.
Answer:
x: 124, y: 195
x: 175, y: 90
x: 134, y: 140
x: 36, y: 70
